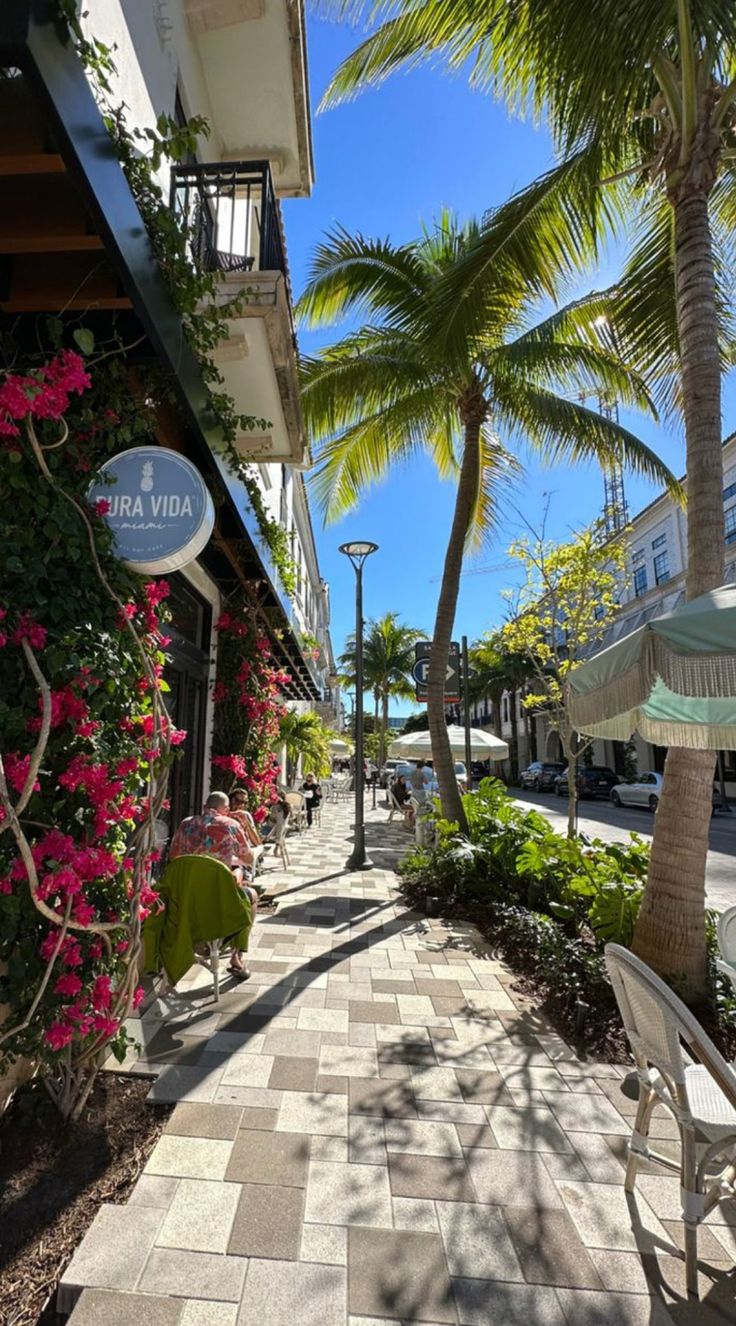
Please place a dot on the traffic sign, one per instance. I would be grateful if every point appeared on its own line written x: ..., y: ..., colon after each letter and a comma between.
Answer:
x: 420, y: 671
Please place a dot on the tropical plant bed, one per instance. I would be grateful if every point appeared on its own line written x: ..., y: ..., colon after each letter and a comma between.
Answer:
x: 54, y: 1176
x: 548, y: 905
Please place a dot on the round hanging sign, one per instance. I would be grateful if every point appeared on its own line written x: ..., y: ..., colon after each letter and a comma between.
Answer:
x: 158, y: 508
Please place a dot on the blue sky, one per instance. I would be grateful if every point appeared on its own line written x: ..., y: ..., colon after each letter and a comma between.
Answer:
x: 384, y: 163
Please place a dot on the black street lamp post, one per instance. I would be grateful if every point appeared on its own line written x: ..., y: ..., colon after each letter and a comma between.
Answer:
x: 358, y: 552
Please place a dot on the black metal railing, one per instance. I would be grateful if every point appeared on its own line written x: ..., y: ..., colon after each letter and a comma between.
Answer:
x: 230, y: 214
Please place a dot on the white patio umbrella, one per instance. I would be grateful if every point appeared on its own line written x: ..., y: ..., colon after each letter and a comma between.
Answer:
x: 483, y: 745
x: 339, y: 747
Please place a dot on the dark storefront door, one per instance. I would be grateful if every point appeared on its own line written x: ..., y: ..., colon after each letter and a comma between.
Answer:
x: 187, y: 675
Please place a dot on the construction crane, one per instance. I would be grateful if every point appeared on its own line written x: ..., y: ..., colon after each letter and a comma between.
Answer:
x: 476, y: 571
x: 615, y: 506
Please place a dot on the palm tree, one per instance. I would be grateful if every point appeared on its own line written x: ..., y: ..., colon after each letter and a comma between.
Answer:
x: 388, y: 659
x: 305, y: 736
x: 397, y: 384
x: 498, y: 670
x: 641, y: 100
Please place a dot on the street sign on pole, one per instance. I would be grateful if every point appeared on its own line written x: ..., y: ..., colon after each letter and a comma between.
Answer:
x: 420, y: 671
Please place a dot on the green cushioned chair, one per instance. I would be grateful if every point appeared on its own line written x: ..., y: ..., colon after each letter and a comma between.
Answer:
x: 202, y: 905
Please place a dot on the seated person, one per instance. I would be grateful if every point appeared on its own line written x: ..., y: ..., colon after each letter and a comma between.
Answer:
x: 215, y: 833
x: 402, y: 795
x: 239, y: 812
x: 312, y: 793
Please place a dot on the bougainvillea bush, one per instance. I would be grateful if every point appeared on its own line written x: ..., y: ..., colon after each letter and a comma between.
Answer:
x: 248, y: 708
x: 84, y: 738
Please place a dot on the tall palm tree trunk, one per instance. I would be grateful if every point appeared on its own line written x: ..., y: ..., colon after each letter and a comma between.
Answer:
x: 670, y: 931
x: 467, y: 489
x: 384, y: 730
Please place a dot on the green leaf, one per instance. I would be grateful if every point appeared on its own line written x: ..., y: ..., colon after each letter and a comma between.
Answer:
x: 85, y: 339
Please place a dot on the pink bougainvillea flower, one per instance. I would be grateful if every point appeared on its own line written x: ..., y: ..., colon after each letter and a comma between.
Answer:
x: 16, y: 771
x: 102, y: 506
x: 102, y: 993
x: 28, y: 629
x: 68, y: 984
x: 105, y: 1026
x: 58, y: 1035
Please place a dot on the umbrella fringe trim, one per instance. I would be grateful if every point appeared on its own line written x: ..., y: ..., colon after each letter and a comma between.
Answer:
x: 705, y: 676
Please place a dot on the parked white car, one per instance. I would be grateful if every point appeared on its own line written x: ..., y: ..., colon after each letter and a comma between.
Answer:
x: 645, y: 791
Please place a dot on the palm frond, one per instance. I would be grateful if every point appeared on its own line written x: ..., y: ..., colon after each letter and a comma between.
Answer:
x: 499, y: 470
x: 587, y: 370
x: 349, y: 273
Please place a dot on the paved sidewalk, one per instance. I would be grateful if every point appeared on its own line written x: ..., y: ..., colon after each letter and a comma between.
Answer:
x: 377, y: 1129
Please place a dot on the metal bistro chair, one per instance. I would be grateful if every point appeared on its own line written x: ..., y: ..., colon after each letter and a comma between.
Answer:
x: 679, y: 1067
x: 727, y: 944
x: 298, y: 807
x: 397, y: 809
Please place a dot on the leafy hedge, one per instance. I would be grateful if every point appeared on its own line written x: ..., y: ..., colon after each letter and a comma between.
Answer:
x: 549, y: 902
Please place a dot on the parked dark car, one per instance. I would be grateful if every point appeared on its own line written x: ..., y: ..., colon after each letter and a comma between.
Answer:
x: 594, y: 780
x: 540, y: 776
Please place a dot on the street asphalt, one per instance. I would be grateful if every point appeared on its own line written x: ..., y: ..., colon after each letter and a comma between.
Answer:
x: 601, y: 819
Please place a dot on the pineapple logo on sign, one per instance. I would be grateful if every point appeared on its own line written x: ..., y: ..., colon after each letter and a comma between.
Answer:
x: 158, y: 507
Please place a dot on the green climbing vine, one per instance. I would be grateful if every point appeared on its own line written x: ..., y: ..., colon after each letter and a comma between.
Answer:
x: 141, y: 152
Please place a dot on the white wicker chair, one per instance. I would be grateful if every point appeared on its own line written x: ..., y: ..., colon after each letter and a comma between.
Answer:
x: 298, y: 810
x: 679, y: 1067
x: 727, y: 944
x: 398, y: 809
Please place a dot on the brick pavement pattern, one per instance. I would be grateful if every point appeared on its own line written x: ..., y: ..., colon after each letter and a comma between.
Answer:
x: 377, y: 1128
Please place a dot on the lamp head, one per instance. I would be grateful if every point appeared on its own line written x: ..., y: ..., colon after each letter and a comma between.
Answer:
x: 358, y: 551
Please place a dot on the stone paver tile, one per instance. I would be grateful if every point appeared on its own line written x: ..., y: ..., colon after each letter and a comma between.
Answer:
x: 247, y: 1070
x: 284, y: 1041
x: 269, y: 1158
x: 435, y: 1083
x: 293, y: 1074
x: 374, y: 1010
x: 509, y: 1055
x: 193, y: 1120
x: 362, y: 1034
x: 204, y: 1275
x: 263, y: 1120
x: 200, y: 1216
x: 233, y: 1042
x: 422, y: 1137
x: 201, y: 1313
x: 604, y: 1219
x: 520, y: 1078
x: 415, y: 1213
x: 334, y: 1083
x: 383, y: 1099
x: 413, y: 1006
x: 451, y: 1111
x: 482, y: 1088
x: 324, y: 1243
x: 348, y: 1061
x: 113, y: 1252
x: 190, y: 1157
x: 498, y: 1303
x: 548, y: 1247
x: 254, y: 1098
x: 512, y: 1178
x: 339, y: 1194
x: 477, y: 1242
x: 393, y: 985
x: 474, y: 1134
x: 279, y: 1292
x: 709, y: 1247
x: 98, y: 1306
x: 597, y: 1157
x: 313, y: 1112
x: 174, y: 1083
x: 322, y: 1019
x: 366, y: 1141
x: 530, y: 1128
x: 439, y: 987
x: 329, y: 1148
x: 560, y: 1165
x: 153, y: 1190
x: 431, y: 956
x: 589, y: 1308
x: 429, y: 1177
x: 268, y: 1222
x: 414, y: 1037
x: 587, y: 1114
x: 399, y: 1274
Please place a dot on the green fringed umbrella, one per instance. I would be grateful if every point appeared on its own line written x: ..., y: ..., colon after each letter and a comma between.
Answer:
x: 673, y: 680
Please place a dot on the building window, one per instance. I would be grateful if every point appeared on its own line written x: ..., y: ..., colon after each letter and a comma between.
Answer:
x: 730, y: 491
x: 730, y: 524
x: 637, y: 557
x: 660, y: 541
x: 640, y: 581
x: 661, y: 568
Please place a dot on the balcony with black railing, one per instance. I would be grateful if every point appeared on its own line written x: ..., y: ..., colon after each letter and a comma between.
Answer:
x: 230, y: 216
x: 229, y: 212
